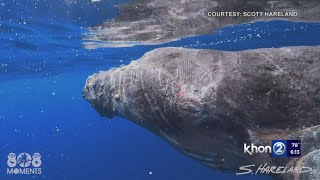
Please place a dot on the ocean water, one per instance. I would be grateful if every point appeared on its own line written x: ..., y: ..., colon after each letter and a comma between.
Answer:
x: 43, y: 68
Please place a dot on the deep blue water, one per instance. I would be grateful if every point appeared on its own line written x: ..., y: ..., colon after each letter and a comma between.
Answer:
x: 43, y: 68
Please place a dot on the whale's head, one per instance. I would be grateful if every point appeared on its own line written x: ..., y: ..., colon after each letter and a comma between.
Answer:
x: 137, y: 94
x: 101, y: 94
x: 159, y: 95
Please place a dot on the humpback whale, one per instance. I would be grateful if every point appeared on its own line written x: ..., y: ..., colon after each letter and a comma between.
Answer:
x: 208, y: 103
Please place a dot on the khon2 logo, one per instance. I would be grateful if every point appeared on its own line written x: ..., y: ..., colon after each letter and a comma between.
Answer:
x: 279, y: 148
x: 24, y: 163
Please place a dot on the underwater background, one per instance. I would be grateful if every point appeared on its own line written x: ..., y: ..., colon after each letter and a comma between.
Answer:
x: 43, y: 68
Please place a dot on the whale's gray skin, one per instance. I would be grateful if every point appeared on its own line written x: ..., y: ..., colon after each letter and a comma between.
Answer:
x: 158, y: 21
x: 209, y: 103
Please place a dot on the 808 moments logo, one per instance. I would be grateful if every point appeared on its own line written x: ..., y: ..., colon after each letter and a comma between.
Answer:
x: 279, y: 148
x: 24, y: 164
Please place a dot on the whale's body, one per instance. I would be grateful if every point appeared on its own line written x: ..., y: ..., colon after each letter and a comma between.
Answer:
x: 209, y: 103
